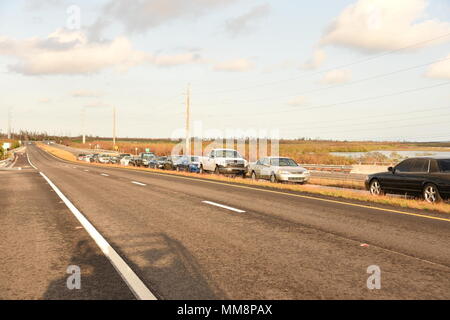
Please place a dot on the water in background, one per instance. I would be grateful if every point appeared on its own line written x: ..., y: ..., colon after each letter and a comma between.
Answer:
x: 389, y: 153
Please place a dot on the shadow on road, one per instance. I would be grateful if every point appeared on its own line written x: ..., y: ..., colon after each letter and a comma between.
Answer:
x: 99, y: 279
x: 169, y: 269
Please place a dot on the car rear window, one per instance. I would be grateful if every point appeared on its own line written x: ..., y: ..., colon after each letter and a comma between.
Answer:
x: 444, y: 165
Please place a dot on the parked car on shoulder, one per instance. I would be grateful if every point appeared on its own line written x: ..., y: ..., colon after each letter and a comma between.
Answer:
x: 146, y: 157
x: 81, y: 157
x: 114, y: 159
x: 278, y: 169
x: 160, y: 163
x: 125, y: 160
x: 88, y: 158
x: 189, y: 164
x: 425, y: 177
x: 226, y: 161
x: 94, y: 157
x: 171, y: 162
x: 136, y: 161
x: 104, y: 158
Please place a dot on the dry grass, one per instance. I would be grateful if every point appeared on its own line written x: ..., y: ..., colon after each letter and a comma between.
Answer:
x: 340, y: 183
x: 57, y: 152
x: 343, y: 194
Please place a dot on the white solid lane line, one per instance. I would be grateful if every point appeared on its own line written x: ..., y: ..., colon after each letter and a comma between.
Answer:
x: 223, y: 206
x: 138, y: 183
x: 29, y: 161
x: 104, y: 174
x: 135, y: 284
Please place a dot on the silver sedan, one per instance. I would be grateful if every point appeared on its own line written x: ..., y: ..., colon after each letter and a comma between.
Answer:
x: 278, y: 169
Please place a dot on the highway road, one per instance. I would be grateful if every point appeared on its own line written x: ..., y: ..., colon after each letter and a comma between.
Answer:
x: 189, y: 238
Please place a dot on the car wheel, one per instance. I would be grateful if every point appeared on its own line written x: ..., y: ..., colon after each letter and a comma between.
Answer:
x: 273, y: 178
x: 375, y: 188
x: 253, y: 176
x: 217, y: 171
x: 431, y: 193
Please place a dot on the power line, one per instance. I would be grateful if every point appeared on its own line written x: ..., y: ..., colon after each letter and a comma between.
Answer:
x: 375, y: 122
x: 333, y: 68
x: 338, y: 85
x: 342, y: 103
x: 384, y: 128
x: 372, y: 116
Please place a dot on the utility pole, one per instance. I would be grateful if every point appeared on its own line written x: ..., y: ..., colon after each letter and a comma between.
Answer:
x: 83, y: 124
x: 188, y: 130
x: 114, y: 128
x: 9, y: 123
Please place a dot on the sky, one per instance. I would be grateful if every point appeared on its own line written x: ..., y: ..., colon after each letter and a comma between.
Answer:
x: 341, y: 69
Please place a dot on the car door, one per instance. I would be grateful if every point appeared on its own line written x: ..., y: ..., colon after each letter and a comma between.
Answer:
x: 403, y: 176
x: 210, y: 162
x: 257, y: 168
x: 418, y: 175
x: 393, y: 180
x: 260, y: 168
x: 265, y: 169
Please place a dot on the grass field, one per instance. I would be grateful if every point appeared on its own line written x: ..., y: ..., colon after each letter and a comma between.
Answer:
x: 343, y: 194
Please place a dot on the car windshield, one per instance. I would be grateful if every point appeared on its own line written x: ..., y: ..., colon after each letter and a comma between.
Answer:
x: 444, y: 165
x: 162, y: 158
x: 194, y: 159
x: 227, y: 154
x: 283, y: 162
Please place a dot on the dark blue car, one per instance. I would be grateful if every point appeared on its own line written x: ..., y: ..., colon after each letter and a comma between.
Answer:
x: 188, y: 164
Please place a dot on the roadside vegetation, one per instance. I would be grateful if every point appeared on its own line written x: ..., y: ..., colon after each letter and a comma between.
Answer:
x: 303, y: 151
x: 14, y: 144
x: 312, y: 189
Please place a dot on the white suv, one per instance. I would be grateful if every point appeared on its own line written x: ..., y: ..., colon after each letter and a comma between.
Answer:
x: 227, y: 161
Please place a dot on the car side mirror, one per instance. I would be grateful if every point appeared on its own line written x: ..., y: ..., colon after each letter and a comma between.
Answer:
x: 391, y: 169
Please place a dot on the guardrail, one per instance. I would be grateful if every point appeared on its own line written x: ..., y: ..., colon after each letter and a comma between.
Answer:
x: 328, y: 168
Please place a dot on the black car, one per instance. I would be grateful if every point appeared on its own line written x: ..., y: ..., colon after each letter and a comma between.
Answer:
x: 171, y: 162
x: 136, y: 161
x: 160, y: 163
x: 428, y: 177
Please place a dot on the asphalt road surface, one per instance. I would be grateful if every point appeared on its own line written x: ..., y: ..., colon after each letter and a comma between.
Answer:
x: 189, y: 238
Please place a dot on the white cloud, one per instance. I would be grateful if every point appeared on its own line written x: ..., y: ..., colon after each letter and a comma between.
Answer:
x: 297, y: 101
x: 237, y: 65
x: 440, y: 70
x: 336, y: 76
x: 86, y: 94
x: 318, y: 58
x: 139, y: 16
x: 244, y: 22
x: 70, y: 53
x: 378, y: 25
